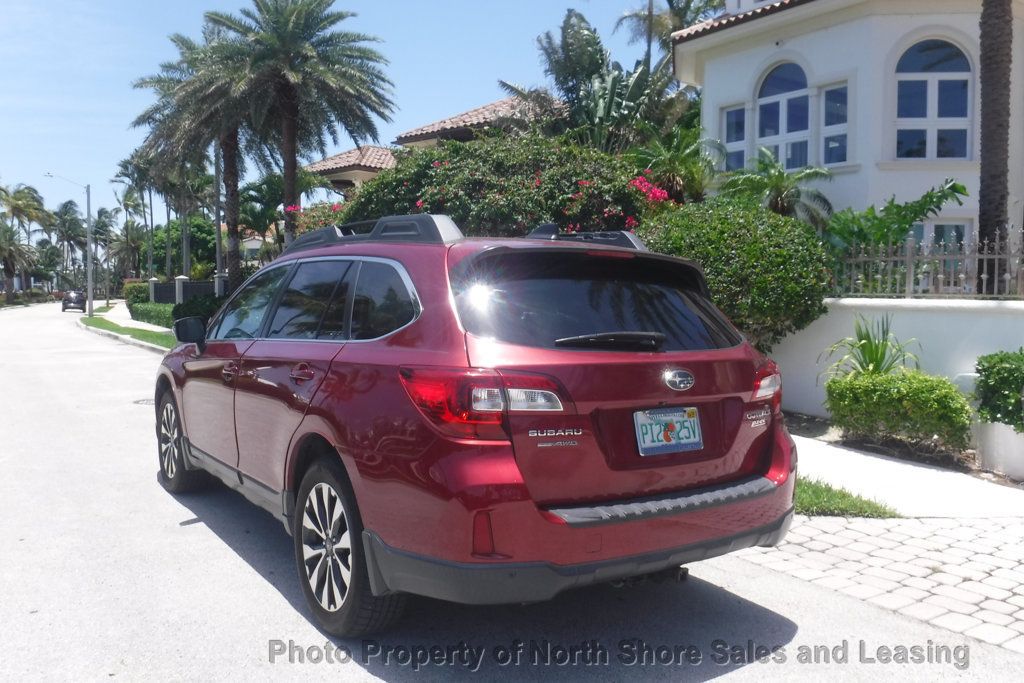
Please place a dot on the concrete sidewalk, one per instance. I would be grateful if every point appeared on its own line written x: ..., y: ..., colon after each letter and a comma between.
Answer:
x: 913, y: 490
x: 119, y: 314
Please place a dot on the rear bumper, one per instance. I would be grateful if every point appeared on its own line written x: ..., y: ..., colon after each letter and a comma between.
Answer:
x: 396, y: 571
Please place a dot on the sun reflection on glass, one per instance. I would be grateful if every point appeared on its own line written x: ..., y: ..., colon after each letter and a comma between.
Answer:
x: 480, y: 297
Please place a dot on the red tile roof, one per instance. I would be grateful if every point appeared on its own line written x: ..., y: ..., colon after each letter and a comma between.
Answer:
x: 365, y: 158
x: 481, y: 117
x: 730, y: 20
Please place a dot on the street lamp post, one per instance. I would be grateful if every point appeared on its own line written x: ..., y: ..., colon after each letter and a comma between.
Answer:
x: 88, y: 239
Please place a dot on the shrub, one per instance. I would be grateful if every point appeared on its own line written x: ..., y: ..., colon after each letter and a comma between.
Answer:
x: 136, y: 293
x: 154, y: 314
x: 201, y: 307
x: 919, y: 409
x: 506, y: 186
x: 768, y: 273
x: 319, y: 215
x: 999, y: 386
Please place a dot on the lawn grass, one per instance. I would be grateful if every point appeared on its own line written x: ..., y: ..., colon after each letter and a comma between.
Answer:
x: 164, y: 339
x: 102, y: 309
x: 817, y: 499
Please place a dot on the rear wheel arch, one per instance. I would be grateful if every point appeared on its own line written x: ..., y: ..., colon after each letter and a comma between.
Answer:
x: 310, y: 448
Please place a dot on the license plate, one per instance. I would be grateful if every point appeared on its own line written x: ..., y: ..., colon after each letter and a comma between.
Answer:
x: 667, y: 430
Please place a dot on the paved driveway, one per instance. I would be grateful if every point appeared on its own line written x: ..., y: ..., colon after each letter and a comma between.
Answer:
x: 103, y: 575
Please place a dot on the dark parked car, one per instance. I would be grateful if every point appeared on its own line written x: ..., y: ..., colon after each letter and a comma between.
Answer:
x: 478, y: 420
x: 73, y: 299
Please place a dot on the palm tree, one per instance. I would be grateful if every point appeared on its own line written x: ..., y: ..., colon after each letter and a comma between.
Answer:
x: 128, y: 245
x: 24, y: 207
x: 994, y: 75
x: 782, y: 191
x: 306, y: 77
x: 686, y: 167
x: 647, y: 26
x: 15, y: 255
x: 69, y: 231
x: 134, y: 173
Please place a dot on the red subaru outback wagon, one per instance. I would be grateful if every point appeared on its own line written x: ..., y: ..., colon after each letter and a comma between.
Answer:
x: 478, y: 420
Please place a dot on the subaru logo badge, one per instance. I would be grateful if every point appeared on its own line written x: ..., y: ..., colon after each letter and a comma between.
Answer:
x: 678, y: 380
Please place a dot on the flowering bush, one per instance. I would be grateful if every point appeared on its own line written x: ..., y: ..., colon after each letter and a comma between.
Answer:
x: 317, y: 216
x: 506, y: 186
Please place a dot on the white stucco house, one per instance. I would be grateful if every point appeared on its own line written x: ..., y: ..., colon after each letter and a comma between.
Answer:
x: 882, y: 92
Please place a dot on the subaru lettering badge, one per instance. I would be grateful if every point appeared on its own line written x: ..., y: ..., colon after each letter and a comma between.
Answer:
x: 678, y: 380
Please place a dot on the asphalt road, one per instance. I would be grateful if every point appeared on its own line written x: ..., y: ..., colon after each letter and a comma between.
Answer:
x: 103, y: 575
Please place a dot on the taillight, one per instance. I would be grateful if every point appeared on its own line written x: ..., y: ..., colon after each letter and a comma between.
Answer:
x: 469, y: 403
x: 768, y: 385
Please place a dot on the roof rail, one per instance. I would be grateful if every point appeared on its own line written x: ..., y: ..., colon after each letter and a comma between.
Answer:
x: 610, y: 238
x: 419, y: 228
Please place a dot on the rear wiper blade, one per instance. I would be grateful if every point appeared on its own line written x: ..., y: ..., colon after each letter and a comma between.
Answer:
x: 644, y: 341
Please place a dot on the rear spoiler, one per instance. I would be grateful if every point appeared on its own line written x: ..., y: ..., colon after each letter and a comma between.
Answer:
x: 610, y: 238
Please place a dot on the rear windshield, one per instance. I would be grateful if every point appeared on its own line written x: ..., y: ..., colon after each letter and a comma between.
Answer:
x: 536, y: 299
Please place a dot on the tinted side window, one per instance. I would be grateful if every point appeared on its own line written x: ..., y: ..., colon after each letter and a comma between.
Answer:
x: 244, y: 315
x: 333, y: 325
x: 305, y: 299
x: 382, y: 302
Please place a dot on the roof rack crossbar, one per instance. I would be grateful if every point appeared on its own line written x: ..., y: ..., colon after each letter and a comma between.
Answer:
x: 419, y: 228
x: 611, y: 238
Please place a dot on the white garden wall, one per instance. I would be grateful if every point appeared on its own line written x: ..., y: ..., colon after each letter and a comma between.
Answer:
x: 951, y: 334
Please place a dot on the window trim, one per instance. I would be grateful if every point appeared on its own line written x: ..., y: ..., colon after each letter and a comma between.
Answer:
x: 826, y: 131
x: 783, y: 139
x: 357, y: 264
x: 932, y: 123
x: 217, y: 319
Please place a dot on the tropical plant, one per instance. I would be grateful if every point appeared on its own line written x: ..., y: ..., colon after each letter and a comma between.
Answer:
x: 261, y: 200
x: 1000, y: 388
x: 768, y: 273
x: 872, y: 350
x: 15, y: 255
x: 306, y: 77
x: 785, y: 192
x: 507, y: 185
x: 135, y: 173
x: 893, y: 222
x: 996, y: 27
x: 684, y: 165
x: 23, y: 206
x: 645, y: 25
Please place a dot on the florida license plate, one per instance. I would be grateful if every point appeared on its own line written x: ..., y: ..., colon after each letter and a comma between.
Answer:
x: 667, y: 430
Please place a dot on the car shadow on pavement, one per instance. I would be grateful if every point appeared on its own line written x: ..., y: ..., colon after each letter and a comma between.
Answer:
x: 652, y: 629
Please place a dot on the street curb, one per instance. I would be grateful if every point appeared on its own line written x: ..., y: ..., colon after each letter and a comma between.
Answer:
x: 123, y: 338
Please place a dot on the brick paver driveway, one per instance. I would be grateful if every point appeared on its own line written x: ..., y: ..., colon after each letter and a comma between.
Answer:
x: 965, y: 575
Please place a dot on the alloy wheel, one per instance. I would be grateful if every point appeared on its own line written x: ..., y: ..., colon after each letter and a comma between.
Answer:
x: 170, y: 441
x: 326, y: 547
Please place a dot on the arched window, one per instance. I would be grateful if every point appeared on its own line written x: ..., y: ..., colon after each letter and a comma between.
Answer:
x: 934, y: 92
x: 783, y: 115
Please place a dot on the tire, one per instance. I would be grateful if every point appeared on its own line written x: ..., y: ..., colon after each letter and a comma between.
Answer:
x: 170, y: 452
x: 63, y: 309
x: 336, y: 568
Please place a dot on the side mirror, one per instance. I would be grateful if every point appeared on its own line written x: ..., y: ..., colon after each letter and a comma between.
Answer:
x: 191, y: 331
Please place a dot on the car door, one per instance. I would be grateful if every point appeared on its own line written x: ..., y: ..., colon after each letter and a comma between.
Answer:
x: 210, y: 377
x: 280, y: 373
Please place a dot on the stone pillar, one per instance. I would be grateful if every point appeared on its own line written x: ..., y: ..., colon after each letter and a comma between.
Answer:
x: 179, y: 288
x: 152, y: 290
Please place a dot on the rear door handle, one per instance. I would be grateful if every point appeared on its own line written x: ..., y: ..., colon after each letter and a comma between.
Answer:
x: 229, y: 371
x: 301, y: 373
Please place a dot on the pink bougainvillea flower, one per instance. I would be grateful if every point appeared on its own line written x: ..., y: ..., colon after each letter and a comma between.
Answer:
x: 584, y: 183
x: 647, y: 171
x: 293, y: 208
x: 419, y: 203
x: 631, y: 222
x: 437, y: 164
x: 335, y: 208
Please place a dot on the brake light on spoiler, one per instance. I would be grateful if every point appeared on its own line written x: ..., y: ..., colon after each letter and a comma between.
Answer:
x: 472, y: 403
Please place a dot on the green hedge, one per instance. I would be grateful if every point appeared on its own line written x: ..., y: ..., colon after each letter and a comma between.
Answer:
x: 999, y: 386
x: 154, y: 314
x: 201, y: 307
x: 919, y: 409
x: 506, y: 186
x: 136, y: 293
x: 768, y: 273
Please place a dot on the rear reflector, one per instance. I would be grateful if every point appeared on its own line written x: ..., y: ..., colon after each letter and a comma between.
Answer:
x: 483, y: 537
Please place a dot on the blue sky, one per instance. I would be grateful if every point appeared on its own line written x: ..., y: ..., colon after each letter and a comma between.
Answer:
x: 66, y: 101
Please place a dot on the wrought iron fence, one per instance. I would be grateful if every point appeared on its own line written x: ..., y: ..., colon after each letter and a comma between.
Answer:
x: 987, y: 269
